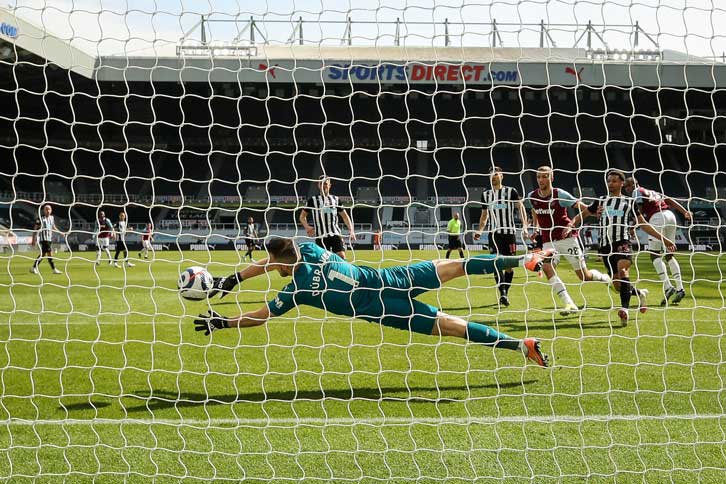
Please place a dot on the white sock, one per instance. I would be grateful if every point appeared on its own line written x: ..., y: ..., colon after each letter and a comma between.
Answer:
x: 98, y: 255
x: 660, y: 269
x: 561, y: 290
x: 599, y: 276
x: 108, y: 252
x: 676, y: 273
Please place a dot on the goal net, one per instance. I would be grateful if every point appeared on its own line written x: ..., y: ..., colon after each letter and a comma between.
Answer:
x: 167, y: 136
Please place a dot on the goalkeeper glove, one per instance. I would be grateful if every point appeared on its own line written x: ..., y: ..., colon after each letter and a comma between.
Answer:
x: 224, y: 284
x: 210, y: 322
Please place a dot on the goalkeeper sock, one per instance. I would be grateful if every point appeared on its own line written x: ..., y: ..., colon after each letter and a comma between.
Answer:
x: 488, y: 264
x: 626, y: 290
x: 675, y: 268
x: 561, y: 290
x: 660, y: 269
x: 481, y: 333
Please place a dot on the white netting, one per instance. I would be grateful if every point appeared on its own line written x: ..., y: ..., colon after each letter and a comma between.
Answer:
x: 191, y: 119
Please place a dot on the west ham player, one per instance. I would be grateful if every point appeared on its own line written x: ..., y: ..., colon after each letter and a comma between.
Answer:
x: 325, y: 209
x: 617, y: 223
x: 43, y: 235
x: 146, y: 239
x: 655, y: 208
x: 384, y: 296
x: 549, y: 209
x: 104, y: 230
x: 121, y: 229
x: 250, y: 233
x: 499, y: 205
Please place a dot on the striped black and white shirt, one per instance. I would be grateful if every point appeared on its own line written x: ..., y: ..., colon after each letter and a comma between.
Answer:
x: 250, y: 231
x: 501, y: 205
x: 325, y: 210
x: 45, y: 228
x: 617, y: 217
x: 121, y: 226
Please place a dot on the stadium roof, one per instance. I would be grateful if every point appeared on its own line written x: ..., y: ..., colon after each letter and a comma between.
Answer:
x: 292, y: 63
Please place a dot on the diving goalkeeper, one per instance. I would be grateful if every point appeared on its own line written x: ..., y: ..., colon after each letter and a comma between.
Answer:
x: 386, y: 296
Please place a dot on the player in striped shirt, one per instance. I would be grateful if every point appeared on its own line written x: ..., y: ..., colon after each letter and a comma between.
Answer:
x: 250, y: 233
x: 43, y: 235
x: 325, y: 209
x: 618, y: 219
x: 549, y: 210
x: 498, y: 207
x: 121, y: 229
x: 655, y: 208
x: 324, y: 280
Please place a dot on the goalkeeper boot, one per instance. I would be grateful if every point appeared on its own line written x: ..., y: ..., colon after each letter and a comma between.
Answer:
x: 668, y: 294
x: 643, y: 300
x: 535, y: 260
x: 678, y: 297
x: 532, y: 349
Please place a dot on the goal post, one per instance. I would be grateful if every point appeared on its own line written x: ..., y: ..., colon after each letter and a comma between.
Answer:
x: 211, y: 128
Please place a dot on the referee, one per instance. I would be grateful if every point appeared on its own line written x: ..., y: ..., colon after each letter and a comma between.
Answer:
x: 325, y: 209
x: 44, y: 227
x: 498, y: 206
x: 454, y: 231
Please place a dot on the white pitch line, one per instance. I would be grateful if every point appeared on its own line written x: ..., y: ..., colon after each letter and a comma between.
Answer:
x: 259, y: 422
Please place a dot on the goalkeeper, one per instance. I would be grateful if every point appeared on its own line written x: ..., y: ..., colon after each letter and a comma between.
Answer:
x: 386, y: 296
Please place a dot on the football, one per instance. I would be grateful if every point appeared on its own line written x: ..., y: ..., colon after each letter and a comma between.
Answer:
x: 194, y: 283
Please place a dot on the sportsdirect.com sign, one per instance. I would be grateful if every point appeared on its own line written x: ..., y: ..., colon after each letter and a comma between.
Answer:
x: 420, y: 73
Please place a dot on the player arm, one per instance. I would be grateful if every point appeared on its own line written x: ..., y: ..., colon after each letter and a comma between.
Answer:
x: 482, y: 222
x: 646, y: 227
x: 348, y: 223
x: 226, y: 284
x: 676, y: 204
x: 213, y: 321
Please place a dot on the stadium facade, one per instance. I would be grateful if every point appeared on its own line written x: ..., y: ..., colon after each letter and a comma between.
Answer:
x: 196, y: 139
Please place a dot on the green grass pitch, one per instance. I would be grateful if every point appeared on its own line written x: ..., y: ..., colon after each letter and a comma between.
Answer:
x: 104, y: 379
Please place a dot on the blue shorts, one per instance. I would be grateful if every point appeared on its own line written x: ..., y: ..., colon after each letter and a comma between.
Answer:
x: 394, y: 305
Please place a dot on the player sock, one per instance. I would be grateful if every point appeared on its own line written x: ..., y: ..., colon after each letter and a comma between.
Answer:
x: 561, y: 290
x: 675, y: 268
x: 108, y: 253
x: 37, y: 261
x: 508, y: 276
x: 488, y: 264
x: 626, y: 290
x: 481, y: 333
x: 599, y: 276
x: 660, y: 269
x: 498, y: 279
x: 448, y: 253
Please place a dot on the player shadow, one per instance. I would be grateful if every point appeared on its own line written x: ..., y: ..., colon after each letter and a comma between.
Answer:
x: 559, y: 322
x: 465, y: 308
x: 81, y: 406
x: 162, y: 399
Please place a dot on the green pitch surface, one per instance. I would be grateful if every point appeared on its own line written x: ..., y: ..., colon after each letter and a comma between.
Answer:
x: 104, y: 379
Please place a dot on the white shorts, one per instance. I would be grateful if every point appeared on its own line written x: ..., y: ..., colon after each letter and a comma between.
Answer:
x: 102, y: 242
x: 146, y: 244
x: 665, y: 224
x: 571, y: 250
